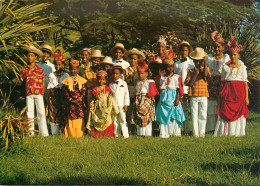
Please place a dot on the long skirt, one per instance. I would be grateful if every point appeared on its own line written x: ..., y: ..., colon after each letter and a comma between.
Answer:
x: 74, y: 128
x: 108, y: 132
x: 232, y: 109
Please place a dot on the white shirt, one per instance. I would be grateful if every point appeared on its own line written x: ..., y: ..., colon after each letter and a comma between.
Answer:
x: 142, y: 88
x: 48, y: 68
x: 237, y: 74
x: 182, y: 68
x: 55, y: 82
x: 124, y: 63
x: 215, y: 65
x: 173, y: 82
x: 121, y: 92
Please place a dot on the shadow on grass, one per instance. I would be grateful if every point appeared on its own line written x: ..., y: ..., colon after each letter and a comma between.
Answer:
x: 23, y: 179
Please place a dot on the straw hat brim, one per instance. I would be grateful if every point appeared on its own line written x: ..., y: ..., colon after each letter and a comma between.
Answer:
x: 115, y: 47
x: 98, y: 56
x: 194, y: 56
x: 105, y: 62
x: 34, y: 50
x: 135, y: 52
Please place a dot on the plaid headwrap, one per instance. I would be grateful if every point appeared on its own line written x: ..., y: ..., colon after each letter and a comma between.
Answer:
x: 217, y: 37
x: 87, y: 49
x: 233, y: 45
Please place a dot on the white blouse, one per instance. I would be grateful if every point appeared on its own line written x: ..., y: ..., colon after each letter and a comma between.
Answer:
x: 237, y: 74
x: 215, y: 65
x: 55, y: 82
x: 142, y: 88
x: 173, y: 82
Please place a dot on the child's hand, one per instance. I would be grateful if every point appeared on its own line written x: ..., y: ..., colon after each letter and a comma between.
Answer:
x: 247, y: 101
x: 197, y: 71
x: 176, y: 102
x: 125, y: 108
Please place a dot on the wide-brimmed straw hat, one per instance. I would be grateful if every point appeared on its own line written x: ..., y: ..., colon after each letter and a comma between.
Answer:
x: 107, y: 60
x: 184, y: 43
x: 96, y: 53
x: 198, y: 53
x: 120, y: 46
x: 47, y: 48
x: 135, y: 51
x: 34, y: 50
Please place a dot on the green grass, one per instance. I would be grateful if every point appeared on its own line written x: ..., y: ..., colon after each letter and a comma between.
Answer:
x: 151, y: 160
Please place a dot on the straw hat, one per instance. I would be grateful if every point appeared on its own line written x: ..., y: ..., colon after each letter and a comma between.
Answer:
x: 117, y: 66
x: 96, y: 53
x: 108, y: 60
x: 135, y: 51
x: 186, y: 43
x: 47, y: 48
x: 118, y: 45
x: 34, y: 50
x: 198, y: 53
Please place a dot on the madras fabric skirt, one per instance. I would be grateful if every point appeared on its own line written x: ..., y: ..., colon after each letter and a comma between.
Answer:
x: 74, y: 128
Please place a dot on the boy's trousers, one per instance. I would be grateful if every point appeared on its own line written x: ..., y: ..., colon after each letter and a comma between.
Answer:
x: 120, y: 124
x: 185, y: 105
x: 38, y: 100
x: 199, y: 106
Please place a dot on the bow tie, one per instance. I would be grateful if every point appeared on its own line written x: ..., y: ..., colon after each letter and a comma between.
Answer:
x: 116, y: 82
x: 183, y: 59
x: 118, y: 61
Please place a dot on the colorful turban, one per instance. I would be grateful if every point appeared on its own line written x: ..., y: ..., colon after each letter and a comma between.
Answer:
x: 142, y: 65
x: 217, y: 37
x: 102, y: 73
x: 74, y: 63
x: 233, y: 45
x: 57, y: 55
x: 87, y: 49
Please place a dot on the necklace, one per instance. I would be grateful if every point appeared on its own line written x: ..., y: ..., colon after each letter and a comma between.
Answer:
x: 75, y: 80
x: 231, y: 73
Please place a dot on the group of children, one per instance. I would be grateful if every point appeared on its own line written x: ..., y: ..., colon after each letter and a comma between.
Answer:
x: 108, y: 97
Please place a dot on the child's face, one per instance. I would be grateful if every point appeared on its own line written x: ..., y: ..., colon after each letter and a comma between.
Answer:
x: 218, y: 48
x: 95, y: 61
x: 58, y: 65
x: 198, y: 63
x: 142, y: 75
x: 184, y: 52
x: 107, y: 68
x: 116, y: 74
x: 101, y: 80
x: 234, y: 56
x: 31, y: 57
x: 45, y: 56
x: 133, y: 60
x: 118, y: 54
x: 85, y: 56
x: 74, y: 70
x: 161, y: 48
x: 169, y: 69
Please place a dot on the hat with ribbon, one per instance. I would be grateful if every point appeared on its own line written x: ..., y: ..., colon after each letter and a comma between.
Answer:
x: 120, y: 46
x: 233, y: 45
x: 135, y: 51
x: 47, y: 48
x: 33, y: 49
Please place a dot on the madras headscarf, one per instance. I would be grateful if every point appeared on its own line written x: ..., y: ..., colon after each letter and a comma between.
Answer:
x: 57, y: 55
x: 162, y: 40
x: 217, y: 37
x: 87, y: 49
x: 102, y: 73
x: 233, y: 45
x: 74, y: 63
x: 142, y: 65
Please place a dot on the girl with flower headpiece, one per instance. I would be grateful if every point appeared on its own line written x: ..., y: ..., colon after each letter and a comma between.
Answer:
x: 74, y: 94
x: 144, y: 109
x: 214, y: 63
x: 103, y: 109
x: 233, y: 99
x: 53, y: 109
x: 169, y: 113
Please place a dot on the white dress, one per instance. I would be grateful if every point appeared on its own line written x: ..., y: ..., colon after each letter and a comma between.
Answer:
x: 214, y: 66
x: 237, y: 127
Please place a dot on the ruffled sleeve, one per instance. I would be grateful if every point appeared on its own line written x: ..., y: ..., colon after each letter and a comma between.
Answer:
x: 152, y: 90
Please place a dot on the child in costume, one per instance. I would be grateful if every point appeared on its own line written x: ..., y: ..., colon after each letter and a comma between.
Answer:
x: 107, y: 65
x: 74, y: 94
x: 215, y: 63
x: 144, y: 109
x: 181, y: 68
x: 120, y: 92
x: 34, y: 78
x: 118, y: 51
x: 85, y: 63
x: 169, y: 113
x: 53, y: 109
x: 233, y: 99
x: 103, y: 109
x: 197, y: 80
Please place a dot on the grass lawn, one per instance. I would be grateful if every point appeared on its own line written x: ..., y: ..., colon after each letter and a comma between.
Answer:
x: 140, y: 161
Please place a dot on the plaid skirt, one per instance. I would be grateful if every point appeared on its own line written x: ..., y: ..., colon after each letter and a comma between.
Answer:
x: 143, y: 111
